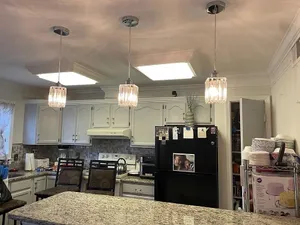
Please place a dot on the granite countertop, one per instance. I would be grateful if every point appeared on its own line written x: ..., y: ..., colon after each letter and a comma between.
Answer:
x: 74, y: 208
x: 123, y: 177
x: 137, y: 180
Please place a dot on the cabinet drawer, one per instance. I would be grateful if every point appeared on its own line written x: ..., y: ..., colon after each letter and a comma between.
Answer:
x: 138, y: 189
x: 20, y: 185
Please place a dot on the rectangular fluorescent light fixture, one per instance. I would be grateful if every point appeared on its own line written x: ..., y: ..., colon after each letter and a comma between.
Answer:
x: 67, y: 78
x: 169, y: 71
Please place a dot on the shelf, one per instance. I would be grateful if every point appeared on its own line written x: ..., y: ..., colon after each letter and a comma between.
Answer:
x: 236, y: 152
x: 236, y: 197
x: 236, y: 174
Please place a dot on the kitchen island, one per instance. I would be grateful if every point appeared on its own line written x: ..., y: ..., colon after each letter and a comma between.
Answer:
x: 80, y: 208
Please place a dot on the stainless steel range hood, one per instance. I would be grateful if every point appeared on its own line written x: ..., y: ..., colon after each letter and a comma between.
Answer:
x: 109, y: 133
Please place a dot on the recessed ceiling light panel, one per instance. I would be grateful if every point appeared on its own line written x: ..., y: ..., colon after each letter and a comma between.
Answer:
x: 169, y: 71
x: 68, y: 78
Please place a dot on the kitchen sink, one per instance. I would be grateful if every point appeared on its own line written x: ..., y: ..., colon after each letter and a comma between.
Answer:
x: 15, y: 174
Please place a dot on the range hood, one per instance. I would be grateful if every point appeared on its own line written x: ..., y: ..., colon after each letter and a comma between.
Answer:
x: 109, y: 133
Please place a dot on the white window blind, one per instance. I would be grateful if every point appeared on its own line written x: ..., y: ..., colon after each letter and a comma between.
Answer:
x: 6, y: 123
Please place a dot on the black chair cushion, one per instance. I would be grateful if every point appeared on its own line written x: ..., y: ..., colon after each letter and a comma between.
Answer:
x: 56, y: 190
x: 10, y: 205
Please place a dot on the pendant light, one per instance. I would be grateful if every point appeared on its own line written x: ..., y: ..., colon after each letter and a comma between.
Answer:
x: 215, y: 87
x: 128, y: 92
x: 58, y: 94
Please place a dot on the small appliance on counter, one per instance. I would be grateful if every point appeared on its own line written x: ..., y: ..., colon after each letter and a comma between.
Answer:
x: 121, y: 166
x: 147, y: 167
x: 29, y: 162
x: 42, y: 163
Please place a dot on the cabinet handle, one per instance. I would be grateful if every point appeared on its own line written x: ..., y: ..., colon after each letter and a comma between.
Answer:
x: 107, y: 118
x: 113, y: 118
x: 183, y: 114
x: 107, y: 122
x: 113, y: 122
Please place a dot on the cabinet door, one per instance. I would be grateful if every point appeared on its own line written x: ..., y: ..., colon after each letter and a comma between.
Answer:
x: 101, y: 116
x: 39, y: 184
x: 252, y: 120
x: 144, y: 119
x: 24, y: 195
x: 119, y: 116
x: 202, y: 113
x: 49, y: 125
x: 84, y: 115
x: 174, y: 113
x: 69, y: 116
x: 51, y: 181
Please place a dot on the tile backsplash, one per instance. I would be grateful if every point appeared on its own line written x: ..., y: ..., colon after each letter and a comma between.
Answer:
x: 86, y: 152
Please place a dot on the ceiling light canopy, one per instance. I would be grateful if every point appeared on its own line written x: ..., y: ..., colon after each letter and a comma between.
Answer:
x: 175, y: 65
x: 168, y: 71
x: 215, y: 87
x: 68, y: 78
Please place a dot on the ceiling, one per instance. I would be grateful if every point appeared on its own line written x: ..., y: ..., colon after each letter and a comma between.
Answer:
x: 249, y: 32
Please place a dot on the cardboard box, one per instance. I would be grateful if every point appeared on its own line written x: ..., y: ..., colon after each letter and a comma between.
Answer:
x: 273, y: 195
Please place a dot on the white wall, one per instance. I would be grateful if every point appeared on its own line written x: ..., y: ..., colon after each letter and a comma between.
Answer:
x: 16, y: 93
x: 285, y: 109
x: 285, y: 77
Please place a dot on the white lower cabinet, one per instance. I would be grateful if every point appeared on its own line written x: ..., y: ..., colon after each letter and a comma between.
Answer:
x: 39, y: 184
x: 140, y: 191
x: 50, y: 181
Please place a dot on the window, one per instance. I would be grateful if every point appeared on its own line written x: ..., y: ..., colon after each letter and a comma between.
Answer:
x: 6, y: 123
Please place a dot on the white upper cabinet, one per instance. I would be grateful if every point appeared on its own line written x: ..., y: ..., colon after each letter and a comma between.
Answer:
x: 84, y: 116
x: 69, y: 117
x: 48, y: 125
x: 202, y: 113
x: 120, y: 117
x: 144, y: 119
x: 174, y: 113
x: 101, y: 116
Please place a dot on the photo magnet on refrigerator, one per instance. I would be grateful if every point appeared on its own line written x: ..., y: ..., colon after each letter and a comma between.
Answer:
x: 188, y: 133
x: 175, y: 133
x: 201, y: 132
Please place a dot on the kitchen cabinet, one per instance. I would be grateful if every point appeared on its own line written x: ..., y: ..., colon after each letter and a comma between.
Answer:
x: 39, y: 184
x: 174, y: 113
x: 101, y: 116
x: 42, y: 125
x: 140, y: 191
x: 110, y: 115
x: 76, y: 120
x: 48, y: 125
x: 144, y: 119
x: 51, y: 181
x: 69, y: 117
x: 21, y: 190
x: 203, y: 113
x: 120, y: 116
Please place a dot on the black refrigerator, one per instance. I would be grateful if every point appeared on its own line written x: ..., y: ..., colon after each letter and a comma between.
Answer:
x: 187, y: 165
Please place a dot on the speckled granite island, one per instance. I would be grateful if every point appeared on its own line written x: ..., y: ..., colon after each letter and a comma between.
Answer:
x: 79, y: 208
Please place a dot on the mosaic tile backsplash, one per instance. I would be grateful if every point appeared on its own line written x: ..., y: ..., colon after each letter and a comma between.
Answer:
x: 86, y: 152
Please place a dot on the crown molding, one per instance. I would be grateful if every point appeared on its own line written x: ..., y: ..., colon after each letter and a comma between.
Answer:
x: 283, y: 57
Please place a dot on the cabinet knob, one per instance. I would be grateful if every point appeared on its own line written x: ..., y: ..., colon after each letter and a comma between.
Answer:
x: 107, y: 122
x: 107, y: 118
x: 113, y: 122
x: 113, y: 118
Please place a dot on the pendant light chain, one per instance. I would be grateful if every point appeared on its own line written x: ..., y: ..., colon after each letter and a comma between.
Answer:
x: 60, y: 53
x: 129, y: 54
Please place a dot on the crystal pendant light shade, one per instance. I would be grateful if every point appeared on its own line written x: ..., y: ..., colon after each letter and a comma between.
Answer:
x: 128, y: 95
x: 215, y: 90
x: 57, y: 97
